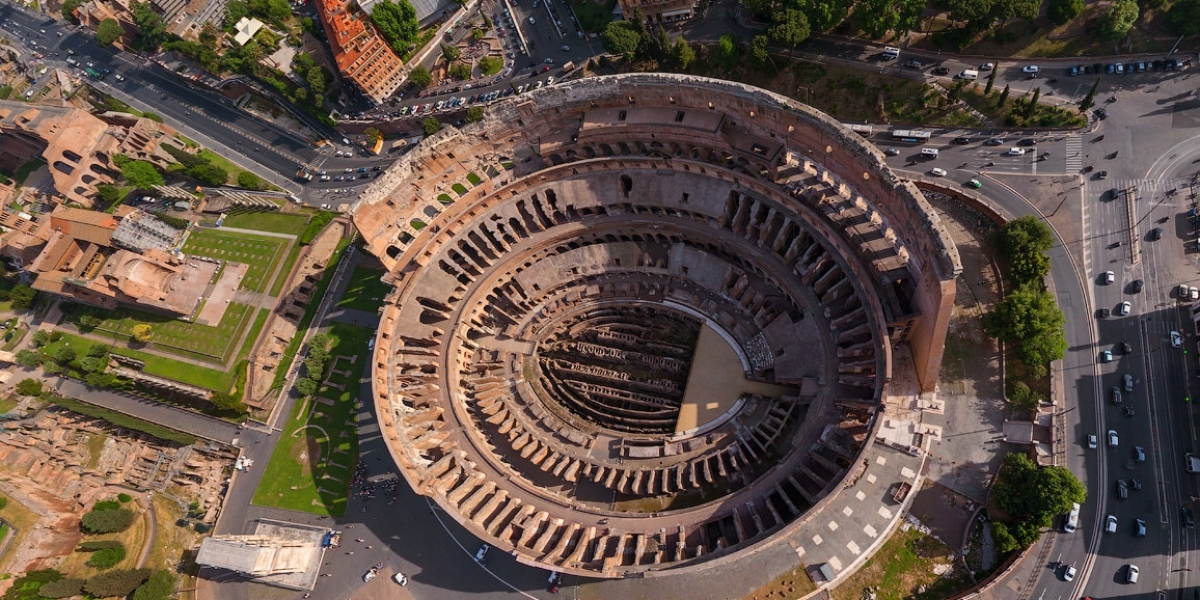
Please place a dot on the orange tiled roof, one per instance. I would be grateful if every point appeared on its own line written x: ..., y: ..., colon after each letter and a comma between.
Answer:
x: 360, y: 52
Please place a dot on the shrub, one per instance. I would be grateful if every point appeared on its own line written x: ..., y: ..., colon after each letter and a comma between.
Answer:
x: 93, y: 546
x: 29, y: 387
x: 63, y: 588
x: 107, y: 558
x: 160, y: 586
x: 29, y: 359
x: 124, y: 498
x: 106, y: 505
x: 107, y: 521
x: 116, y: 583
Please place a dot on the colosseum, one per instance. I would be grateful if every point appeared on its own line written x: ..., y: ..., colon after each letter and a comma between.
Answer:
x: 645, y: 322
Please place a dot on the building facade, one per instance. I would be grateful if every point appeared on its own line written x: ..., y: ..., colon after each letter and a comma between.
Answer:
x: 362, y: 55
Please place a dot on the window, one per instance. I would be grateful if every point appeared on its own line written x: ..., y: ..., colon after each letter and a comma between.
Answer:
x: 621, y: 116
x: 626, y: 186
x: 684, y: 199
x: 679, y: 116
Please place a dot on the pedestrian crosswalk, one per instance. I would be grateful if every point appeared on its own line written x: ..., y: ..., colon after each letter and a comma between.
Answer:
x: 1074, y: 154
x: 1165, y: 192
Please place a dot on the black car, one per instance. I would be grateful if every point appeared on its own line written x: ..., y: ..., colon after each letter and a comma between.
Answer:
x: 913, y: 64
x: 1157, y: 65
x: 994, y: 142
x: 1188, y: 520
x: 940, y: 71
x: 1129, y: 412
x: 1104, y: 313
x: 1103, y: 175
x: 1087, y: 69
x: 1027, y: 142
x: 1114, y: 193
x: 1156, y: 233
x: 961, y: 141
x: 1126, y: 348
x: 1137, y: 286
x: 892, y: 152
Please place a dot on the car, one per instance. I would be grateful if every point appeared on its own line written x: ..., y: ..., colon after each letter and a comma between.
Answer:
x: 1176, y: 340
x: 1102, y: 113
x: 1069, y: 574
x: 1127, y: 380
x: 1137, y: 286
x: 566, y: 48
x: 1119, y: 68
x: 549, y: 61
x: 1131, y: 575
x: 1122, y: 489
x: 349, y: 169
x: 913, y: 64
x: 1124, y: 308
x: 1092, y: 441
x: 994, y: 141
x: 1015, y: 151
x: 987, y: 66
x: 1104, y: 313
x: 481, y: 554
x: 1112, y: 438
x: 1071, y: 523
x: 1156, y: 234
x: 400, y: 578
x: 1027, y: 142
x: 937, y: 172
x: 940, y: 71
x: 369, y: 575
x: 1074, y: 70
x: 1186, y: 516
x: 550, y: 80
x: 1139, y: 528
x: 554, y: 582
x: 1110, y: 524
x: 376, y: 168
x: 974, y: 183
x: 1030, y: 69
x: 961, y: 141
x: 892, y: 152
x: 1193, y: 293
x: 1109, y: 277
x: 1139, y: 454
x: 1125, y: 348
x: 1183, y: 291
x: 1115, y: 394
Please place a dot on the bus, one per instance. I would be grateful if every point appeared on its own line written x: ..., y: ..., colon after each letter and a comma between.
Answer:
x: 912, y: 137
x: 94, y: 73
x: 863, y: 130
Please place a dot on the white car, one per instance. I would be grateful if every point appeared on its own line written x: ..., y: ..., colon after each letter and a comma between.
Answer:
x: 937, y: 172
x: 1124, y: 308
x: 1112, y: 438
x: 1176, y: 339
x: 1015, y: 152
x: 400, y: 578
x: 1092, y: 441
x: 1109, y: 277
x: 369, y: 575
x: 1110, y: 525
x: 1193, y: 293
x: 1030, y: 69
x: 987, y: 66
x: 1069, y: 574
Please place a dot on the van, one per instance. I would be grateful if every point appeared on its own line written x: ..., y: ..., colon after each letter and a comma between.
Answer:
x: 891, y: 53
x: 969, y: 75
x: 1072, y: 521
x: 929, y: 152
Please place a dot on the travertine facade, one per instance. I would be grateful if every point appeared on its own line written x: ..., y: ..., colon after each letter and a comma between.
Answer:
x: 658, y: 331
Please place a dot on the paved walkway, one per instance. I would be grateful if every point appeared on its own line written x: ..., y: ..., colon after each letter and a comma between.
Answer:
x: 196, y: 424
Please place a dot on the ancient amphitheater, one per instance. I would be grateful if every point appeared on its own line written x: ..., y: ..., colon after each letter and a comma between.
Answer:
x: 645, y: 322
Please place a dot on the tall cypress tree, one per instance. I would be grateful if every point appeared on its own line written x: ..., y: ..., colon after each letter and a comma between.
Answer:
x: 991, y: 82
x: 1090, y: 98
x: 1003, y: 98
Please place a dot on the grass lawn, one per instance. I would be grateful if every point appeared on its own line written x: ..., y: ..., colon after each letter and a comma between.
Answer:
x: 312, y: 466
x: 191, y: 340
x: 474, y: 179
x: 445, y: 199
x: 14, y: 337
x: 208, y: 378
x: 294, y: 346
x: 95, y: 446
x: 459, y: 189
x: 274, y: 222
x: 220, y: 161
x: 365, y: 291
x: 903, y: 564
x: 7, y: 404
x: 22, y: 520
x: 593, y: 16
x: 262, y: 254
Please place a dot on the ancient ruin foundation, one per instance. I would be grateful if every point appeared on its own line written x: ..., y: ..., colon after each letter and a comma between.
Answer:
x: 655, y: 328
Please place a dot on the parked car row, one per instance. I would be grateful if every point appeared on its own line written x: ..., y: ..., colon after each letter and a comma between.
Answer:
x: 1141, y: 66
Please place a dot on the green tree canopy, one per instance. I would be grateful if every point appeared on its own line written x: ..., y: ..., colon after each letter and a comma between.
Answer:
x: 108, y: 31
x: 22, y: 297
x: 29, y: 387
x: 63, y: 588
x: 683, y: 54
x: 107, y: 558
x: 1117, y: 21
x: 108, y: 193
x: 1034, y: 495
x: 151, y: 30
x: 68, y: 10
x: 107, y: 521
x: 431, y: 126
x: 878, y: 17
x: 1061, y: 12
x: 306, y: 386
x: 1183, y: 18
x: 1030, y: 319
x: 209, y: 173
x: 790, y: 28
x: 760, y: 51
x: 475, y: 113
x: 251, y: 181
x: 1023, y: 243
x: 727, y: 50
x: 116, y: 583
x: 397, y: 21
x: 621, y: 37
x: 141, y: 174
x: 420, y: 76
x: 29, y: 359
x: 160, y: 586
x: 451, y: 52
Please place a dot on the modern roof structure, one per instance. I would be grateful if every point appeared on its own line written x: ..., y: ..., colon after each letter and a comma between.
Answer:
x: 278, y: 553
x: 655, y: 328
x: 428, y: 11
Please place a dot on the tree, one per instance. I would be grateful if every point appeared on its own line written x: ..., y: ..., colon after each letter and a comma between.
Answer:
x: 1117, y: 21
x: 824, y: 15
x: 991, y: 81
x: 227, y: 401
x: 878, y: 17
x: 68, y: 10
x: 108, y: 32
x: 1061, y: 12
x: 41, y: 338
x: 107, y: 521
x: 1032, y: 106
x: 63, y: 588
x: 460, y: 70
x: 151, y: 30
x: 1090, y: 98
x: 141, y: 174
x: 1023, y: 243
x: 490, y: 65
x: 420, y: 76
x: 91, y: 364
x: 316, y: 81
x: 451, y: 52
x: 431, y: 126
x: 1183, y: 18
x: 22, y: 297
x: 159, y: 587
x: 397, y: 21
x: 116, y: 583
x: 475, y: 113
x: 251, y: 181
x: 760, y: 51
x: 1005, y: 542
x: 89, y: 321
x: 209, y: 173
x: 1003, y: 97
x: 108, y: 194
x: 306, y: 386
x: 29, y: 359
x: 1034, y: 495
x: 29, y: 387
x: 107, y: 558
x: 1031, y: 321
x: 727, y: 50
x: 621, y: 37
x: 682, y: 54
x: 142, y: 333
x: 65, y: 355
x: 373, y: 135
x: 790, y: 28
